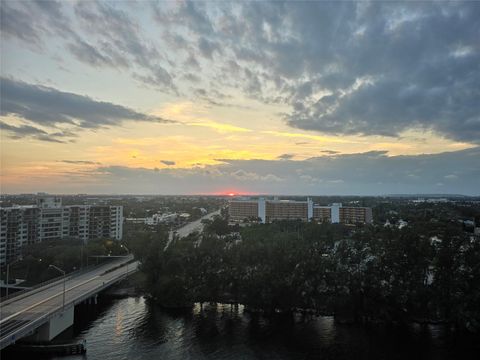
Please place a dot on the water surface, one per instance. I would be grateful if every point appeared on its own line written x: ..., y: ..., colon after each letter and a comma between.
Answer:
x: 134, y: 328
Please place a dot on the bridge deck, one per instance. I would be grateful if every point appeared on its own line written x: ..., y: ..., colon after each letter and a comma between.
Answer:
x: 20, y: 316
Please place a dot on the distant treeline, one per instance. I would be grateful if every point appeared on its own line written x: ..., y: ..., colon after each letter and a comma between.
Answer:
x: 425, y: 272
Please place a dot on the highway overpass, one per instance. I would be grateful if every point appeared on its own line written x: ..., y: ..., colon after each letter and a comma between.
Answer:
x: 42, y: 313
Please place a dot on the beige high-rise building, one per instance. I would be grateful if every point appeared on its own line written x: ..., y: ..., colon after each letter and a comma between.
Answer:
x: 244, y: 210
x: 270, y: 210
x: 355, y: 215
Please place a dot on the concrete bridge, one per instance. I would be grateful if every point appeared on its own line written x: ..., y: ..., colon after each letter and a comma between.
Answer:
x: 42, y: 313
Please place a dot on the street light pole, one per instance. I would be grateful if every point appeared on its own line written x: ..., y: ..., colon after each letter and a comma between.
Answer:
x: 63, y: 272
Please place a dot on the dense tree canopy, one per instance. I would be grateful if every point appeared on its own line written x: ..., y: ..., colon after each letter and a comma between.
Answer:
x: 370, y: 273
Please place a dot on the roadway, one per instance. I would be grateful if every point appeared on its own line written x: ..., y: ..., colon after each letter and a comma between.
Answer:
x: 20, y: 315
x: 190, y: 227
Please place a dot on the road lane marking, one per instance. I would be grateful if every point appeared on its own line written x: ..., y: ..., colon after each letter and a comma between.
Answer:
x: 29, y: 322
x: 47, y: 299
x: 51, y: 297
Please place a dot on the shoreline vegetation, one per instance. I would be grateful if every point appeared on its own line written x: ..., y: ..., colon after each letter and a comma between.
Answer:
x: 427, y: 273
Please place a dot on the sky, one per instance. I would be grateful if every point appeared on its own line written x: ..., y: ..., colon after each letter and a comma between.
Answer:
x: 180, y: 97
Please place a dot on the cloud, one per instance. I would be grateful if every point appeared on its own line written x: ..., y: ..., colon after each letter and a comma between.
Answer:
x: 212, y: 96
x: 367, y: 68
x: 80, y: 162
x: 371, y: 173
x: 90, y: 55
x: 46, y: 106
x: 34, y: 21
x: 329, y: 152
x: 21, y: 131
x: 207, y: 48
x: 116, y: 27
x: 310, y: 180
x: 157, y: 77
x: 451, y: 177
x: 285, y: 156
x: 360, y: 68
x: 186, y: 12
x: 243, y: 175
x: 119, y: 37
x: 98, y: 34
x: 14, y: 24
x: 167, y: 162
x: 271, y: 178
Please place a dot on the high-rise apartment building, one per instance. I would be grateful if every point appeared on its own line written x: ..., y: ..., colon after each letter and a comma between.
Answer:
x: 76, y: 221
x: 270, y: 210
x: 51, y: 217
x: 21, y: 225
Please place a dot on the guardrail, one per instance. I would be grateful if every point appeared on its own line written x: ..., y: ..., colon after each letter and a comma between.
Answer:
x: 52, y: 282
x: 23, y: 329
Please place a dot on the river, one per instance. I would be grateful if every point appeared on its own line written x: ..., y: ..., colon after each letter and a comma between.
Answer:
x: 133, y: 328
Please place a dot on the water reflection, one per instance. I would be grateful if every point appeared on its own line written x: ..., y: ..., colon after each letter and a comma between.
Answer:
x: 135, y: 328
x: 119, y: 322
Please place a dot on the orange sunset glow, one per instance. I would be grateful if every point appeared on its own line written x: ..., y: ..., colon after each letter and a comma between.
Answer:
x: 212, y: 109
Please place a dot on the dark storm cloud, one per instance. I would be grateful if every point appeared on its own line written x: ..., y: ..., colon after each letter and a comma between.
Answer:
x: 46, y: 106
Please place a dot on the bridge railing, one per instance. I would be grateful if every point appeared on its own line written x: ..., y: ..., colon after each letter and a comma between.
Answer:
x: 50, y: 282
x: 11, y: 332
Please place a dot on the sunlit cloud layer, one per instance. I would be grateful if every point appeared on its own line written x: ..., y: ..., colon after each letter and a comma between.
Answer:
x: 45, y: 106
x: 370, y: 173
x: 166, y: 90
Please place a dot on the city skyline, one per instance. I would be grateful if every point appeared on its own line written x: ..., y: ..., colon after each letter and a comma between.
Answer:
x: 362, y: 98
